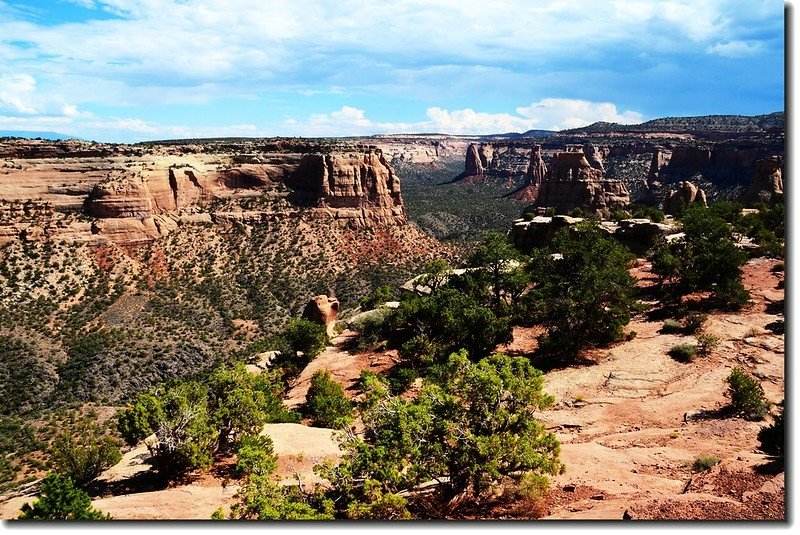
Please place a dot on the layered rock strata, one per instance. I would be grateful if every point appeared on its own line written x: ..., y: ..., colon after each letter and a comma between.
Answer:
x: 143, y: 193
x: 571, y: 182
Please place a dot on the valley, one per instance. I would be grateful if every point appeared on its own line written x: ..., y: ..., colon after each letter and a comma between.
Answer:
x: 129, y: 268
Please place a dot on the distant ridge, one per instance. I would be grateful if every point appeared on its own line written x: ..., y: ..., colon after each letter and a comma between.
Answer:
x: 707, y: 123
x: 28, y: 134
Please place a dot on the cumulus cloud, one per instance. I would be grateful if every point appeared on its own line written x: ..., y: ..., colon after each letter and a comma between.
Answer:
x: 246, y: 43
x: 448, y: 57
x: 546, y: 114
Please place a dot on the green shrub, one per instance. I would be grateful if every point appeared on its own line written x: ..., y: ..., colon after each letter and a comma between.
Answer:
x: 139, y: 420
x: 372, y: 328
x: 704, y: 463
x: 585, y: 297
x: 401, y: 378
x: 255, y: 455
x: 773, y: 437
x: 326, y: 403
x: 84, y: 459
x: 694, y: 322
x: 474, y: 430
x: 671, y: 327
x: 381, y: 295
x: 706, y: 343
x: 59, y: 499
x: 683, y: 352
x: 747, y: 395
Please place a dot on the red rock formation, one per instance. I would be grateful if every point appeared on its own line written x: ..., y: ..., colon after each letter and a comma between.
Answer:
x: 767, y: 182
x: 128, y: 194
x: 534, y: 176
x: 595, y: 155
x: 349, y: 180
x: 323, y: 310
x: 537, y: 169
x: 486, y: 154
x: 473, y: 164
x: 570, y: 166
x: 572, y: 183
x: 686, y: 194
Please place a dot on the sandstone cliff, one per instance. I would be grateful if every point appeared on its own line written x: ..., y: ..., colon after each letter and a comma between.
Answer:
x: 140, y: 193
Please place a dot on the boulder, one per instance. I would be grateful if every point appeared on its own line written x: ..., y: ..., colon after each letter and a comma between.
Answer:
x: 323, y: 310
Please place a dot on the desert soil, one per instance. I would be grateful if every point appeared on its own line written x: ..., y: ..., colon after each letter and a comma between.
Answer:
x: 631, y: 422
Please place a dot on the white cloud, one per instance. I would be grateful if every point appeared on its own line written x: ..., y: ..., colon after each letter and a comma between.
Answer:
x: 735, y: 49
x: 16, y: 93
x: 254, y: 44
x: 561, y: 113
x: 547, y: 114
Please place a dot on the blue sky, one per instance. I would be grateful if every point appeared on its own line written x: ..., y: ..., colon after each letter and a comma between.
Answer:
x: 131, y: 70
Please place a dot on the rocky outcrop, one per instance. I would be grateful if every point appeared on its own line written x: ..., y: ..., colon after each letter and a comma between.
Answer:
x: 638, y: 234
x: 356, y: 189
x: 486, y: 154
x: 323, y: 310
x: 534, y: 177
x: 660, y: 159
x: 686, y: 194
x: 127, y: 194
x: 572, y: 183
x: 537, y: 169
x: 595, y: 156
x: 767, y: 182
x: 473, y: 164
x: 479, y: 159
x: 137, y: 193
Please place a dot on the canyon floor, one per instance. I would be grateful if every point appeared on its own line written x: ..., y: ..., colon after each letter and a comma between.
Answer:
x: 631, y: 421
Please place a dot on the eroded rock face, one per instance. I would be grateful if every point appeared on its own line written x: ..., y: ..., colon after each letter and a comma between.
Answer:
x: 128, y: 188
x: 486, y: 154
x: 686, y: 194
x: 595, y: 155
x: 537, y: 169
x: 659, y: 161
x: 323, y: 310
x: 534, y: 176
x: 473, y: 164
x: 572, y: 183
x: 352, y: 180
x: 767, y: 182
x: 572, y: 166
x: 357, y: 189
